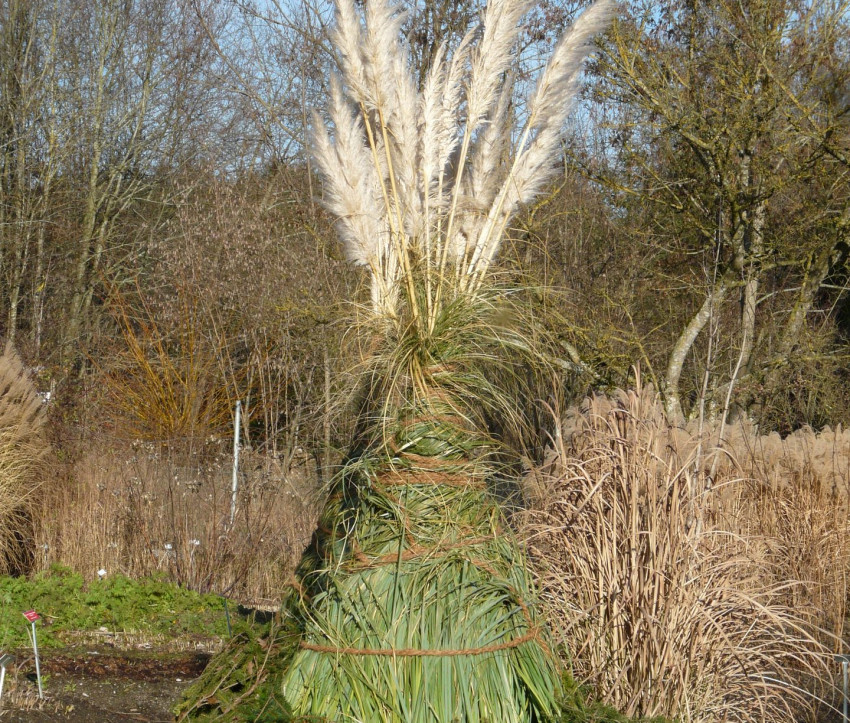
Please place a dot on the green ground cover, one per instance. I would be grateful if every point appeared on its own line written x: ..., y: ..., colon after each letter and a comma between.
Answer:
x: 67, y: 603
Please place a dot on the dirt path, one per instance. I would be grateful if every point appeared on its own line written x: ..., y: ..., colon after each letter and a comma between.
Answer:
x: 100, y: 686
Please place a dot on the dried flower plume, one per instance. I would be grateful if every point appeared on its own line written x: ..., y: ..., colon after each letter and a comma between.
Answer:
x: 423, y: 184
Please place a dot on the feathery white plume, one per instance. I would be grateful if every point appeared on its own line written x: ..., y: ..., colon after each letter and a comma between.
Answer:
x: 559, y: 82
x: 449, y: 120
x: 391, y: 96
x: 493, y: 55
x: 420, y: 182
x: 551, y: 103
x: 381, y: 47
x: 353, y: 197
x: 548, y: 109
x: 348, y: 39
x: 430, y: 107
x: 487, y: 171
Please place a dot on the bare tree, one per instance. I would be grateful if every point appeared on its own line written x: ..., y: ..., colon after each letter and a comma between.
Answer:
x: 132, y: 67
x: 29, y: 153
x: 102, y: 105
x: 708, y: 108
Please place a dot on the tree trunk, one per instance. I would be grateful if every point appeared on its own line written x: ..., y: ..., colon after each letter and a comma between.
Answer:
x: 754, y: 250
x: 676, y: 361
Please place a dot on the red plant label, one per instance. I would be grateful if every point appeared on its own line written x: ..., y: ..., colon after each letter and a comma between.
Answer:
x: 31, y: 615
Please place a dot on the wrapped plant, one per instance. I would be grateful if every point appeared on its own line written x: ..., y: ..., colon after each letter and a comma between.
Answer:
x: 414, y: 604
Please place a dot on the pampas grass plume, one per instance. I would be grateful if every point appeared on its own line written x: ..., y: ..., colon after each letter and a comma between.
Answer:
x: 423, y: 181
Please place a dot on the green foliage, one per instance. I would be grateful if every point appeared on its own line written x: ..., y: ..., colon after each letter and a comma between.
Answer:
x: 67, y: 603
x: 489, y: 355
x: 416, y: 604
x: 412, y: 555
x: 579, y: 706
x: 242, y: 683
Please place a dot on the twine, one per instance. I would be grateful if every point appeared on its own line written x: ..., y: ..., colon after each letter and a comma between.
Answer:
x: 448, y: 418
x: 429, y: 462
x: 418, y: 477
x: 416, y: 551
x: 532, y: 634
x: 420, y: 653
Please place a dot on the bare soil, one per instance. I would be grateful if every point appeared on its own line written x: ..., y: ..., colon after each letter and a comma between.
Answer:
x: 99, y: 685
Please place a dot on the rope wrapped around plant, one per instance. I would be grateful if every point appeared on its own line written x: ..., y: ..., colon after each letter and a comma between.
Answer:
x: 414, y: 604
x: 417, y: 587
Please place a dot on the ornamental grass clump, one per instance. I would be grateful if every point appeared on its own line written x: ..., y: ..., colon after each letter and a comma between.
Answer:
x: 414, y: 604
x: 23, y: 447
x: 672, y: 591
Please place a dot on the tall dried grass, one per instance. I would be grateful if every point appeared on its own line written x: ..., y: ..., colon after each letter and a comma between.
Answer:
x: 149, y: 509
x: 23, y: 446
x: 681, y: 595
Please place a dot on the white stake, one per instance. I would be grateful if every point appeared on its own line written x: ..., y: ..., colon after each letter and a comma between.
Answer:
x: 32, y: 616
x: 235, y: 461
x: 37, y: 666
x: 5, y: 659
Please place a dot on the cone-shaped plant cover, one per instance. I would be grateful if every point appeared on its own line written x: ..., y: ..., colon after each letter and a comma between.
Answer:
x: 414, y: 604
x: 420, y: 608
